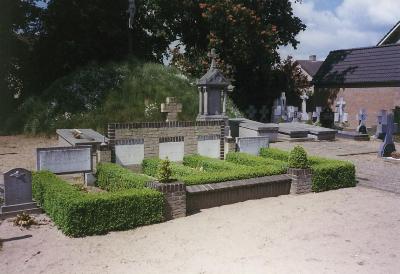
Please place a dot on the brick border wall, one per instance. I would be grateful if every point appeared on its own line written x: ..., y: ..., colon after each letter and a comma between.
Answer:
x: 212, y: 195
x: 153, y: 132
x: 301, y: 180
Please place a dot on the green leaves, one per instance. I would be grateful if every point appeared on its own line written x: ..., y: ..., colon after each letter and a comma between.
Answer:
x: 298, y: 158
x: 80, y: 214
x: 164, y: 172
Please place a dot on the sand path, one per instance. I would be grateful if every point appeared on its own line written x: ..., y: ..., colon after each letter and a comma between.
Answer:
x: 352, y: 230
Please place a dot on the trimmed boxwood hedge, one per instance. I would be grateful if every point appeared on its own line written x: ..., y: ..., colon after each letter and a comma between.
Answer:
x: 198, y: 169
x: 79, y: 214
x: 113, y: 177
x: 328, y: 174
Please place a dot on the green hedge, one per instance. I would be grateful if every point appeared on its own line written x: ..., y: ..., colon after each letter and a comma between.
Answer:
x: 79, y: 214
x: 328, y: 174
x: 203, y: 170
x: 252, y: 160
x: 113, y: 177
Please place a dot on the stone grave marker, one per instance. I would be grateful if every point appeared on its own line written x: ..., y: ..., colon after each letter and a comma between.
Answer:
x: 18, y: 193
x: 304, y: 114
x: 362, y: 118
x: 251, y: 112
x: 381, y: 128
x: 172, y: 108
x: 252, y: 145
x: 388, y: 146
x: 340, y: 115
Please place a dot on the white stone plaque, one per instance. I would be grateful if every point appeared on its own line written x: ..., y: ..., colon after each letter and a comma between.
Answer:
x: 64, y: 160
x: 252, y: 145
x: 129, y: 154
x: 209, y: 148
x: 173, y: 150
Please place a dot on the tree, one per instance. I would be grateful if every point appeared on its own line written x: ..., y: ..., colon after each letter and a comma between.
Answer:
x: 17, y: 25
x: 291, y: 79
x: 247, y: 35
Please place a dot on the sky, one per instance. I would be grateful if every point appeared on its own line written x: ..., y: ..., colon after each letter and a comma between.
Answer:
x: 341, y: 24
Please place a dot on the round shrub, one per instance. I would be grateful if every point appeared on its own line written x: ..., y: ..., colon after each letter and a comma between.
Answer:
x: 298, y: 158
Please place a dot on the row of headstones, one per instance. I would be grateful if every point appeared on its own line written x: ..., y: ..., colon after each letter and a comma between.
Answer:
x: 284, y: 113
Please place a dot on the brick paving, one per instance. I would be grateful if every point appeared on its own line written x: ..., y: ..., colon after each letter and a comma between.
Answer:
x: 371, y: 170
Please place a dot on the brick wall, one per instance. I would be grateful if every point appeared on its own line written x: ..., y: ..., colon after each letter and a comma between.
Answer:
x: 372, y: 99
x: 151, y: 133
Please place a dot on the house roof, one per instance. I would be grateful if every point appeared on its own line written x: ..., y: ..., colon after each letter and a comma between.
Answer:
x: 392, y: 37
x: 311, y: 67
x: 372, y: 66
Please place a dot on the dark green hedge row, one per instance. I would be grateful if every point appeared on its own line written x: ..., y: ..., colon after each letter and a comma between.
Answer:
x: 78, y: 213
x: 113, y: 177
x: 328, y: 174
x: 252, y: 160
x: 203, y: 170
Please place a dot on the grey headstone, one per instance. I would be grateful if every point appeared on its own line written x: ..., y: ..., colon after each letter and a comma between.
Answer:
x: 252, y: 145
x: 65, y: 160
x: 18, y: 193
x: 17, y: 187
x: 388, y: 146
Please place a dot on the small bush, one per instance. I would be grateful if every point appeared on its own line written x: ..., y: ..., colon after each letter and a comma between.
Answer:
x: 298, y: 158
x: 113, y: 177
x: 80, y: 214
x: 165, y: 172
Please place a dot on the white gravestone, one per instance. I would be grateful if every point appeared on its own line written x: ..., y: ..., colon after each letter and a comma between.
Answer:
x: 252, y: 145
x: 174, y: 151
x: 129, y: 152
x: 209, y: 148
x: 304, y: 114
x: 341, y: 116
x: 64, y: 160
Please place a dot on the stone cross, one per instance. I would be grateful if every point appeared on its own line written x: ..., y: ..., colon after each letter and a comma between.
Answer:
x: 362, y: 117
x: 382, y: 125
x: 388, y: 146
x: 213, y: 55
x: 283, y: 101
x: 172, y: 108
x: 340, y: 115
x: 304, y: 115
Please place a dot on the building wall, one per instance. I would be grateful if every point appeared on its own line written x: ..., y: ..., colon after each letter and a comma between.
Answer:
x: 162, y: 139
x: 371, y: 99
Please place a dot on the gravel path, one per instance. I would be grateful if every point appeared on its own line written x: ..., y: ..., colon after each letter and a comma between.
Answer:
x: 372, y: 171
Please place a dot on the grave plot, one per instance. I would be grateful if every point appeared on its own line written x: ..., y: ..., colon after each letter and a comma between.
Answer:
x: 300, y: 130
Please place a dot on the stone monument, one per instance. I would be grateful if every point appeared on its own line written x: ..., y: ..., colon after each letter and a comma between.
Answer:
x: 172, y: 108
x: 213, y: 92
x: 304, y: 114
x: 18, y: 193
x: 388, y: 146
x: 381, y: 128
x: 362, y: 118
x: 340, y: 115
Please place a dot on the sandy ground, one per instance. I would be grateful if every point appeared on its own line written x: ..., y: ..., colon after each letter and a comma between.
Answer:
x: 346, y: 231
x: 352, y: 230
x: 20, y: 151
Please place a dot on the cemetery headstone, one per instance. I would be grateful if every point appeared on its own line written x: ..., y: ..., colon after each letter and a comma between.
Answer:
x: 388, y: 146
x: 381, y: 128
x: 340, y: 115
x: 18, y: 192
x: 304, y: 114
x: 327, y: 118
x: 362, y: 118
x: 251, y: 112
x: 252, y: 145
x: 172, y: 108
x: 264, y: 113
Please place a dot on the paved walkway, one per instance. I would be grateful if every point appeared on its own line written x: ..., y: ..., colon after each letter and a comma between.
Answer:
x: 372, y: 171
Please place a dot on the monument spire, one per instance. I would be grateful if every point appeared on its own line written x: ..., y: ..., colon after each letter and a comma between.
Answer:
x: 213, y: 55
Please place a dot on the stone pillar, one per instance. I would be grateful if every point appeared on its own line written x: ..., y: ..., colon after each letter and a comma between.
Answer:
x: 205, y: 103
x: 301, y: 180
x: 200, y: 101
x: 224, y: 102
x: 174, y: 198
x: 104, y: 156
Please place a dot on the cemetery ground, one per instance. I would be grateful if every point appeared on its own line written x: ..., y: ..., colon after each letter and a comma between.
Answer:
x: 344, y: 231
